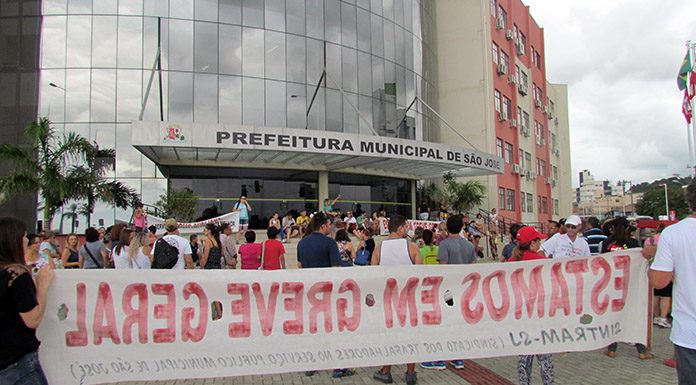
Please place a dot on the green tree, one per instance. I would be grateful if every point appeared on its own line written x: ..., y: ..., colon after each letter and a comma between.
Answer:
x: 179, y: 204
x: 43, y: 165
x: 653, y: 201
x: 463, y: 196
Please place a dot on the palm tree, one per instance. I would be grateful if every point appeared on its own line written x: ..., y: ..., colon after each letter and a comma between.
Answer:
x: 71, y: 213
x: 95, y: 188
x: 43, y: 165
x: 464, y: 196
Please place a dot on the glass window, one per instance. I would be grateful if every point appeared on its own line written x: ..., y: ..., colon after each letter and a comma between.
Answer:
x: 521, y: 158
x: 296, y: 54
x: 508, y: 152
x: 504, y: 59
x: 297, y: 105
x: 507, y: 107
x: 252, y: 52
x: 180, y: 45
x: 525, y: 122
x: 180, y: 97
x: 348, y: 25
x: 77, y: 95
x: 399, y: 53
x: 510, y: 200
x: 530, y: 203
x: 365, y: 108
x: 275, y: 15
x: 332, y: 21
x: 497, y: 100
x: 376, y: 6
x: 128, y: 159
x: 539, y: 204
x: 528, y: 160
x: 389, y: 40
x: 315, y: 62
x: 364, y: 38
x: 388, y: 9
x: 205, y: 94
x: 253, y: 13
x: 495, y: 53
x: 499, y: 147
x: 230, y: 49
x: 230, y: 11
x: 275, y: 55
x: 295, y: 15
x: 350, y: 115
x: 377, y: 33
x: 129, y: 87
x: 79, y: 45
x: 103, y: 100
x: 181, y: 9
x: 151, y: 7
x: 53, y: 42
x: 364, y: 74
x: 377, y: 74
x: 230, y: 99
x: 317, y: 113
x: 333, y: 64
x: 399, y: 13
x: 334, y: 116
x: 275, y: 104
x: 206, y: 10
x: 315, y: 18
x: 545, y: 205
x: 130, y: 40
x: 523, y: 202
x: 555, y: 207
x: 253, y: 101
x: 54, y: 7
x: 103, y: 41
x: 206, y: 47
x: 501, y: 198
x: 350, y: 70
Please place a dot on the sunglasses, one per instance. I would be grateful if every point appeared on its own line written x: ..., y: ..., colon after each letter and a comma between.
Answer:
x: 571, y: 227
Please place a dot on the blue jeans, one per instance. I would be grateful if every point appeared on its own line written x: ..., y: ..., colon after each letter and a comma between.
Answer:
x: 26, y: 371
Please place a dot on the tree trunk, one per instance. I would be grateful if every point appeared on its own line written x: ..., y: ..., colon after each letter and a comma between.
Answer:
x: 46, y: 217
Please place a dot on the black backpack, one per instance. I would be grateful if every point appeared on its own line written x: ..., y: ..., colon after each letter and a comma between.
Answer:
x: 166, y: 256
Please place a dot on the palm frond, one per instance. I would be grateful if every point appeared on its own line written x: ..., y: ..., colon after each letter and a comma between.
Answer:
x: 73, y: 148
x: 16, y: 183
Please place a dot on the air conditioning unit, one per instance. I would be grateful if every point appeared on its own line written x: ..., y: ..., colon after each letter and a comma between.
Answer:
x: 520, y: 48
x: 537, y: 103
x: 502, y: 69
x: 509, y: 34
x: 528, y: 175
x: 553, y: 183
x: 545, y: 109
x: 502, y: 117
x: 522, y: 89
x: 513, y: 123
x: 550, y: 115
x: 499, y: 23
x: 556, y: 152
x: 512, y: 79
x: 556, y: 121
x: 515, y: 168
x: 543, y: 142
x: 548, y: 180
x: 527, y: 132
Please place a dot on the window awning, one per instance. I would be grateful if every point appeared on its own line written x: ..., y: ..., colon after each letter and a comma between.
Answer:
x: 217, y: 145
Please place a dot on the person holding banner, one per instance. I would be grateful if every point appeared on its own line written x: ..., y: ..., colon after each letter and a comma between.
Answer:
x: 528, y: 245
x: 22, y: 305
x: 244, y: 208
x: 394, y: 251
x: 676, y: 261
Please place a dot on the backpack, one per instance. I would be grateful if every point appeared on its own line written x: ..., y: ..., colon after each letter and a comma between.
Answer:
x: 362, y: 257
x: 166, y: 256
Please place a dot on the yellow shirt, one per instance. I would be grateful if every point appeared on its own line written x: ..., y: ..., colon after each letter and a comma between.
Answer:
x: 302, y: 221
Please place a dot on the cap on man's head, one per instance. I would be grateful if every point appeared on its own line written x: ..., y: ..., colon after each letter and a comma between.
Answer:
x: 171, y: 224
x: 573, y: 220
x: 527, y: 234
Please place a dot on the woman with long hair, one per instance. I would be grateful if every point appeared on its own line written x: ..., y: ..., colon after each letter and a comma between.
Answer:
x: 31, y: 253
x: 48, y: 250
x: 138, y: 254
x: 22, y: 305
x: 211, y: 248
x: 345, y: 247
x: 120, y: 252
x: 70, y: 257
x: 528, y: 245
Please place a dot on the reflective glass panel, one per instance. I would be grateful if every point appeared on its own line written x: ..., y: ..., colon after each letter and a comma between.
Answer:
x: 253, y: 102
x: 275, y: 55
x: 332, y: 20
x: 103, y: 100
x: 129, y: 7
x: 128, y: 96
x: 275, y: 15
x: 130, y: 40
x: 230, y: 11
x: 180, y: 97
x: 181, y: 45
x: 79, y: 45
x: 205, y: 103
x: 364, y: 74
x: 252, y: 52
x: 181, y: 9
x: 104, y: 42
x: 296, y: 65
x: 316, y: 108
x: 334, y: 105
x: 350, y: 70
x: 275, y: 104
x: 53, y: 42
x: 230, y: 99
x: 377, y: 35
x: 348, y: 25
x: 295, y: 15
x: 350, y: 113
x: 315, y: 18
x: 77, y: 95
x: 206, y: 47
x: 128, y: 159
x: 230, y: 49
x: 253, y: 13
x: 364, y: 38
x: 297, y: 105
x: 206, y: 10
x: 155, y: 8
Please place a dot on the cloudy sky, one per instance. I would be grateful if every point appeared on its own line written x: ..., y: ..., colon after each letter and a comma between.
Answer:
x: 620, y: 59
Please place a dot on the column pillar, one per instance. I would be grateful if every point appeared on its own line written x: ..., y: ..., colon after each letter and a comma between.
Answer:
x: 323, y: 188
x: 414, y: 204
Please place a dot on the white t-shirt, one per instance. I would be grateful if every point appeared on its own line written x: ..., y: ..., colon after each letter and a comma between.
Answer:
x: 350, y: 220
x: 676, y: 252
x: 123, y: 261
x: 181, y: 244
x: 560, y: 246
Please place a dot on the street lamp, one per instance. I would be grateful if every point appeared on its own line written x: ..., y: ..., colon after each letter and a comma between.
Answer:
x: 54, y: 85
x: 666, y: 201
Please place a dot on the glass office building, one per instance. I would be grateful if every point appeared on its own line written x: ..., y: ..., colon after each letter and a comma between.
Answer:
x: 245, y: 62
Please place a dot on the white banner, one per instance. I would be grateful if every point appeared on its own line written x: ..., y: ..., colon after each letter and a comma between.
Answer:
x: 137, y: 325
x: 197, y: 227
x: 412, y: 224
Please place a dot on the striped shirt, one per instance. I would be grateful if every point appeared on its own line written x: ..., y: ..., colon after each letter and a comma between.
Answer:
x: 594, y: 237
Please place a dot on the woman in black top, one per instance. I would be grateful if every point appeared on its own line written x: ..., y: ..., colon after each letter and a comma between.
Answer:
x: 22, y: 304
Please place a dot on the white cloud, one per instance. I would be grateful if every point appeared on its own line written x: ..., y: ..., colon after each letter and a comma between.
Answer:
x: 620, y: 60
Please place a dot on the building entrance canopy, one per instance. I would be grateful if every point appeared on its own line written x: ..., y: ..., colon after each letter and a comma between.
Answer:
x: 218, y: 145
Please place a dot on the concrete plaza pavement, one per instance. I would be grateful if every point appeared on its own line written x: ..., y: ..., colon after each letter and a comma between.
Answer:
x: 582, y: 368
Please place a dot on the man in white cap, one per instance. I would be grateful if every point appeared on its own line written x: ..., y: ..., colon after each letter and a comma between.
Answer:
x: 569, y: 244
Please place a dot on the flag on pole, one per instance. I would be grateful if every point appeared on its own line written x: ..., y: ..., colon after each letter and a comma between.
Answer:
x: 686, y: 106
x: 685, y: 71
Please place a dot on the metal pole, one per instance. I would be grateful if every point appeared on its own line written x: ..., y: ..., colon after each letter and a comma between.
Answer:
x: 692, y: 51
x: 159, y: 66
x: 666, y: 202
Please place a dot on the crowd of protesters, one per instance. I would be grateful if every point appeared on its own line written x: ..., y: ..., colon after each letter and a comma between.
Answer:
x: 327, y: 238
